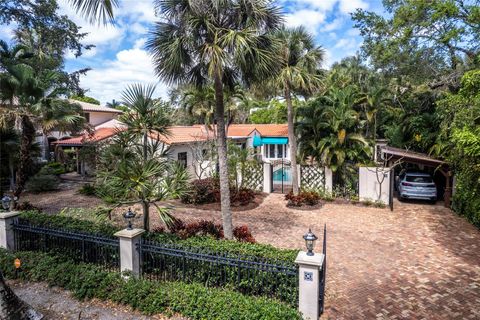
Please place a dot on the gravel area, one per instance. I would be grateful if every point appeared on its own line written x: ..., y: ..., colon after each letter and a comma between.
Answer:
x: 55, y: 304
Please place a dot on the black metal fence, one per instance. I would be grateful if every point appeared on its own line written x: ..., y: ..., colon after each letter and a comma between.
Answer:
x: 248, y: 275
x: 81, y: 247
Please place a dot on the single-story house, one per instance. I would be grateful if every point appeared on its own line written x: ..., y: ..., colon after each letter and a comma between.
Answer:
x: 187, y: 144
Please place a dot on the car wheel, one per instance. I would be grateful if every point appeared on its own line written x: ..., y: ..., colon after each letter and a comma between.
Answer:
x: 400, y: 198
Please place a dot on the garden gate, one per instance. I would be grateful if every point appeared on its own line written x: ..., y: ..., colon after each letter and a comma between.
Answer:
x: 281, y: 176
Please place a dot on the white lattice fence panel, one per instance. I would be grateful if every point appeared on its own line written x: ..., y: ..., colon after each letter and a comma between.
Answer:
x: 253, y: 176
x: 312, y: 177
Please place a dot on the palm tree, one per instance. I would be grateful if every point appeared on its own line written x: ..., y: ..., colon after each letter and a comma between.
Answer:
x: 96, y: 10
x: 147, y: 118
x: 20, y: 91
x: 219, y: 43
x: 299, y: 73
x: 328, y: 128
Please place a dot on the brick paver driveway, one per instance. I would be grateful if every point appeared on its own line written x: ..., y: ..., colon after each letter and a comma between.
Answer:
x: 418, y: 262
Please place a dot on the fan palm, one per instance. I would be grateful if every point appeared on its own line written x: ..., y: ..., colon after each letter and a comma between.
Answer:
x: 300, y: 62
x: 217, y: 43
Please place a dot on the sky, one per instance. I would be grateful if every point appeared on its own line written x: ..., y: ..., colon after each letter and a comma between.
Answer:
x: 119, y: 57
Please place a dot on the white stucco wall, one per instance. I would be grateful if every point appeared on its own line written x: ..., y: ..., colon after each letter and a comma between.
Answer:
x: 369, y: 186
x: 97, y: 118
x: 178, y: 148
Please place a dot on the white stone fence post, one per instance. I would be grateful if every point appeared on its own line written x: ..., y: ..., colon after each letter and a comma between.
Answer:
x: 129, y: 253
x: 7, y: 236
x: 267, y: 177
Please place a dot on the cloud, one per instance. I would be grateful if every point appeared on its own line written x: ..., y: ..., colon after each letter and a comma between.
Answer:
x: 336, y: 24
x: 129, y: 66
x: 310, y: 19
x: 348, y: 6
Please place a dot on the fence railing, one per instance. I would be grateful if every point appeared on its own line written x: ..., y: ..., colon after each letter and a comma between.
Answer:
x: 81, y: 247
x: 248, y: 275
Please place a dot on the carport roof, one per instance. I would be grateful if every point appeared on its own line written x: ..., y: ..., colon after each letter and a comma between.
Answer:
x: 414, y: 157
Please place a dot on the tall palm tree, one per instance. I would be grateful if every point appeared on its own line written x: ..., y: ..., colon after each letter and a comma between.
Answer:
x: 147, y: 117
x: 219, y: 43
x: 300, y: 60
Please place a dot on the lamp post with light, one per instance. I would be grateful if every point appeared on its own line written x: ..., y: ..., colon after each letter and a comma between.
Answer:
x: 129, y: 216
x: 310, y: 278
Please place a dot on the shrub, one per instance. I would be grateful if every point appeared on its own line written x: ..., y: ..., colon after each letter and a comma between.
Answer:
x: 191, y: 300
x: 203, y: 191
x: 87, y: 190
x: 243, y: 234
x: 243, y: 196
x: 309, y: 198
x: 41, y: 183
x: 379, y: 204
x: 207, y: 242
x: 52, y: 168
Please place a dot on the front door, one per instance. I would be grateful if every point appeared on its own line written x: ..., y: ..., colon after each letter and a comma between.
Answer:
x: 281, y: 176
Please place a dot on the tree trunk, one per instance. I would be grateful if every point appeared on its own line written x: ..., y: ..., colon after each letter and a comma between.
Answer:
x: 145, y: 204
x: 222, y: 158
x: 46, y: 147
x: 146, y: 215
x: 292, y: 141
x: 28, y: 134
x: 11, y: 168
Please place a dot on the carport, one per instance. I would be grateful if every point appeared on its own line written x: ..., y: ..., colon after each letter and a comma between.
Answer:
x: 405, y: 156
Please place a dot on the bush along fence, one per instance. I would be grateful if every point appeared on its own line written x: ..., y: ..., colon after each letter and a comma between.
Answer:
x: 299, y: 284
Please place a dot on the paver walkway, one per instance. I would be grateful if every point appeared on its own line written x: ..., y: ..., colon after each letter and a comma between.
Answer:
x: 419, y: 262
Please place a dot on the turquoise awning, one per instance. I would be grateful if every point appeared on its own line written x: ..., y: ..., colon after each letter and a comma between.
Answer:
x: 258, y: 141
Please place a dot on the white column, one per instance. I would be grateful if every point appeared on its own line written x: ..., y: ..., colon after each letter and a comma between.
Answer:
x: 267, y: 178
x: 129, y: 255
x: 328, y: 179
x: 299, y: 176
x: 309, y: 268
x: 7, y: 237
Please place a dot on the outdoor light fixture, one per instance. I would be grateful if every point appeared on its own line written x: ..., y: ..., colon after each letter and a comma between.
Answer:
x: 310, y: 242
x: 129, y: 215
x: 7, y: 203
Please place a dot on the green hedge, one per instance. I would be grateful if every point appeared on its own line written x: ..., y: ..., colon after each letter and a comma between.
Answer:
x: 194, y: 301
x: 221, y: 246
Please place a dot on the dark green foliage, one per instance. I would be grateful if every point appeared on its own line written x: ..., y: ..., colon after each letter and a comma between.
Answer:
x: 40, y: 183
x: 67, y: 223
x: 206, y: 242
x: 191, y: 300
x: 87, y: 190
x: 52, y: 168
x: 85, y: 99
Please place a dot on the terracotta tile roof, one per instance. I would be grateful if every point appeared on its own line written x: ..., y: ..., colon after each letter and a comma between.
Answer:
x: 184, y: 134
x: 272, y: 130
x: 240, y: 130
x: 98, y: 135
x: 94, y: 107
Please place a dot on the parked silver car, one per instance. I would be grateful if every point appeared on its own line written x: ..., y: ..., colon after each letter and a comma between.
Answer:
x: 416, y: 185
